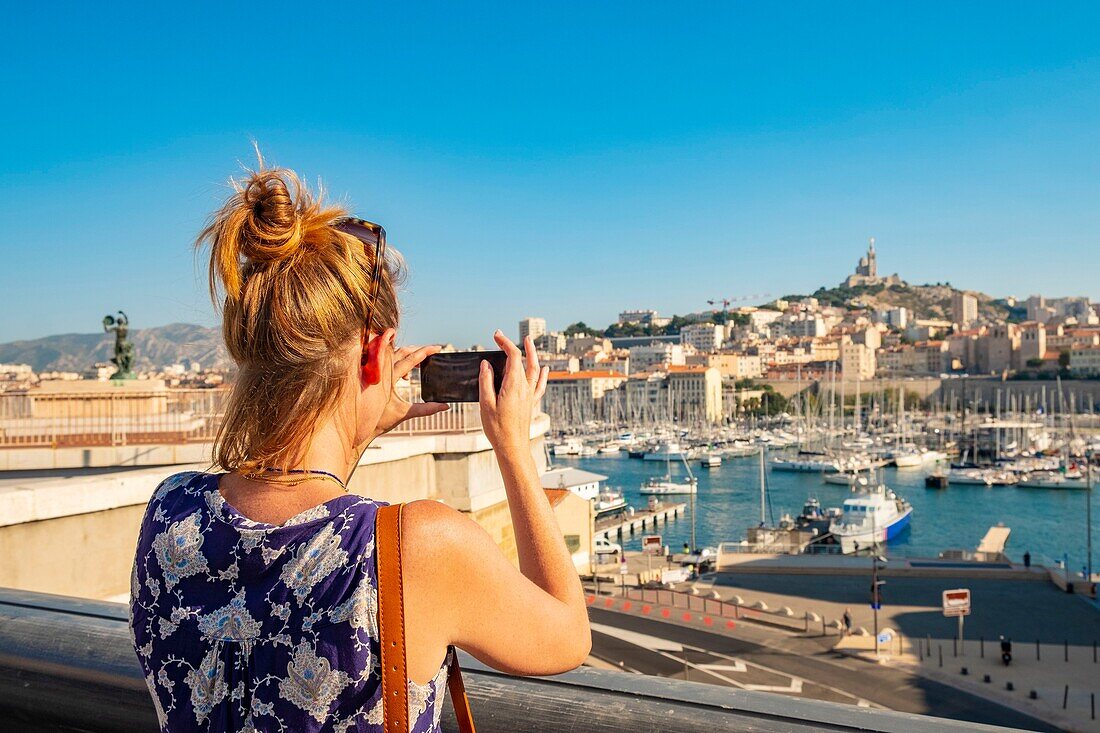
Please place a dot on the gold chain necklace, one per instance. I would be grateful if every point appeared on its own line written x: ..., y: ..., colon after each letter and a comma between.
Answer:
x: 306, y: 475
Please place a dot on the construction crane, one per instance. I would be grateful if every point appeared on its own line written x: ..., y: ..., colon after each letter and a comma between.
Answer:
x: 738, y: 299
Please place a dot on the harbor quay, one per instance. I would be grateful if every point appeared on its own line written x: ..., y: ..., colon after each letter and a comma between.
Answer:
x: 793, y: 610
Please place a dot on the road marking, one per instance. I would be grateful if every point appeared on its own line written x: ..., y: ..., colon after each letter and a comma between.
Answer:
x: 795, y: 688
x: 653, y: 643
x: 736, y: 667
x: 734, y: 664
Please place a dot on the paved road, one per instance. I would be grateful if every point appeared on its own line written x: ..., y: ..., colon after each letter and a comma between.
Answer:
x: 1020, y: 609
x: 650, y: 647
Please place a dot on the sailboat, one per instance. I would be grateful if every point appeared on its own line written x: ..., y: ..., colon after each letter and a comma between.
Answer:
x: 661, y: 486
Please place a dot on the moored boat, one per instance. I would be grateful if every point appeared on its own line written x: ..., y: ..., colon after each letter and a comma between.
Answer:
x: 870, y: 518
x: 711, y: 460
x: 655, y: 486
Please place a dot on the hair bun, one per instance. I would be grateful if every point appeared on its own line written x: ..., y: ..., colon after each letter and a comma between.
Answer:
x: 273, y: 226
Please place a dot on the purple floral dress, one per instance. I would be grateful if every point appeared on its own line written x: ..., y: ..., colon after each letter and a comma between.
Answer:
x: 246, y: 626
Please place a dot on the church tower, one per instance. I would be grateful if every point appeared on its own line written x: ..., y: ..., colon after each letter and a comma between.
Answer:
x: 872, y: 265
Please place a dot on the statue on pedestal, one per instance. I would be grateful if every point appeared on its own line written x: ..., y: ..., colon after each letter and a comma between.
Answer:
x: 124, y: 349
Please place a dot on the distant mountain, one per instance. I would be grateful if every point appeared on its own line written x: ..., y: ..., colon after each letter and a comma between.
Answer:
x: 154, y: 348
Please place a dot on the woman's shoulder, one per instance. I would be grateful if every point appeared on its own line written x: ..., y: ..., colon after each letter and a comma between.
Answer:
x: 180, y: 487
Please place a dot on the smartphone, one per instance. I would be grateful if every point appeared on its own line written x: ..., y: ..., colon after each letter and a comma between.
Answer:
x: 453, y: 376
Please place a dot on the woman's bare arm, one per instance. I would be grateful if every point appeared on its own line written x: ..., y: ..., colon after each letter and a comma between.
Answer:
x: 462, y: 590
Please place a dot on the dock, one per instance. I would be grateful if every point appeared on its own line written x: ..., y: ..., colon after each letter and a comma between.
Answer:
x: 625, y: 525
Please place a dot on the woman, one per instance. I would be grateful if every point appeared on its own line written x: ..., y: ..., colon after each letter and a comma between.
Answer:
x: 254, y: 592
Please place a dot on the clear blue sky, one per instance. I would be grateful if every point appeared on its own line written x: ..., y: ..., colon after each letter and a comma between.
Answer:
x: 567, y: 161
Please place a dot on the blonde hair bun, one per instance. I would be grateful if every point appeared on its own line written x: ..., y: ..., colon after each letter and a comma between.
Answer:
x: 273, y: 227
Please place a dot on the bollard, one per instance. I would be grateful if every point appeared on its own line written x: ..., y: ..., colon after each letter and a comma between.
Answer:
x: 929, y: 645
x: 1009, y: 687
x: 823, y: 631
x: 986, y: 679
x: 1036, y: 650
x: 940, y: 647
x: 964, y: 671
x: 1034, y: 695
x: 981, y: 646
x: 1065, y: 697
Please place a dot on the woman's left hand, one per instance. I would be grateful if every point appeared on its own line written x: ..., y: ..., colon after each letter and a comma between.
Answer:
x: 399, y: 408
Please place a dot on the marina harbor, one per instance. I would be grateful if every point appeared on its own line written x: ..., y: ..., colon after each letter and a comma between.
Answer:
x: 592, y: 367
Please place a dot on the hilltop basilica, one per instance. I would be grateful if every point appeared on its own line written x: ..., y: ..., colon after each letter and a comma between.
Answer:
x: 867, y: 272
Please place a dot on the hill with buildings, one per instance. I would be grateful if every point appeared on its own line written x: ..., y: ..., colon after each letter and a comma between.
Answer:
x: 921, y: 301
x: 158, y: 347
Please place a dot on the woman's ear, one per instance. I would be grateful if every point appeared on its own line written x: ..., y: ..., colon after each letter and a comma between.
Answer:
x: 371, y: 360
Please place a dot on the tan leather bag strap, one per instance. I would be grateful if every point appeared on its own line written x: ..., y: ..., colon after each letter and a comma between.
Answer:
x: 391, y: 625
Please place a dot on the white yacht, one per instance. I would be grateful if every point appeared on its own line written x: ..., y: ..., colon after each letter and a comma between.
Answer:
x: 969, y: 477
x: 664, y: 451
x: 569, y: 447
x: 656, y: 486
x: 806, y: 465
x: 907, y: 458
x: 1047, y: 480
x: 870, y: 518
x: 609, y: 501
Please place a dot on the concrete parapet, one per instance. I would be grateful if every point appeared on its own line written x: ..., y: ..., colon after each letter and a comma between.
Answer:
x: 73, y: 532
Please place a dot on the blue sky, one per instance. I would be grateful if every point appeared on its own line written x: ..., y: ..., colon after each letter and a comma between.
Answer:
x: 568, y: 161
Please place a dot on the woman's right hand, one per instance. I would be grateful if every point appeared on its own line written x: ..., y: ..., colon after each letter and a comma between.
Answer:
x: 506, y: 416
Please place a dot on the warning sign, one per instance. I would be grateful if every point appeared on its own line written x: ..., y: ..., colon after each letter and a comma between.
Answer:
x: 956, y: 602
x: 651, y: 545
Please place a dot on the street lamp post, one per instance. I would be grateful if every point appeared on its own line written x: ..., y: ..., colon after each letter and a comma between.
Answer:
x: 875, y: 597
x: 1088, y: 511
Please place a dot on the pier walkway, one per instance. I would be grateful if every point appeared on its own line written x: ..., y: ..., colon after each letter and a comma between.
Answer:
x: 624, y: 526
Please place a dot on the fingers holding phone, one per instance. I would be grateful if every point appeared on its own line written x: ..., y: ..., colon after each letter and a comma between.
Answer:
x: 506, y: 413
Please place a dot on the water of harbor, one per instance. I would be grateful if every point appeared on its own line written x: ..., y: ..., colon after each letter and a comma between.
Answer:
x: 1047, y: 523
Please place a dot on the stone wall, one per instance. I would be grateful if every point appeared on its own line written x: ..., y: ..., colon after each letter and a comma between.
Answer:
x: 75, y: 534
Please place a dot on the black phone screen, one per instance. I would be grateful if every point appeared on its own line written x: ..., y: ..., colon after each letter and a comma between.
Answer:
x: 453, y: 376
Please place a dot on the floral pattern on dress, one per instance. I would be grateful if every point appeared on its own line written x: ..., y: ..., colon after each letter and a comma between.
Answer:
x: 311, y: 683
x: 207, y: 683
x: 230, y: 622
x: 245, y: 626
x: 179, y: 549
x: 313, y: 562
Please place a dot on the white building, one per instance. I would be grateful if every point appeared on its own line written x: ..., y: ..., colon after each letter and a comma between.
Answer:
x: 643, y: 318
x: 1084, y: 361
x: 964, y: 308
x: 759, y: 320
x: 656, y: 355
x: 695, y: 394
x: 800, y: 325
x: 584, y: 484
x: 533, y: 327
x: 857, y: 361
x: 705, y: 337
x: 894, y: 317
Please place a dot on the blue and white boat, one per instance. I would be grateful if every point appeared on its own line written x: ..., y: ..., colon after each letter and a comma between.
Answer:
x: 870, y: 518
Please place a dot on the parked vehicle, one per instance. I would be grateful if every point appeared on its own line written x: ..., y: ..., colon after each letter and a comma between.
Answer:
x: 604, y: 546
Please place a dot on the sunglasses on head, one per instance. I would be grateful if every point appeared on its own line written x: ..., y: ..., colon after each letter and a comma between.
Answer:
x: 370, y: 234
